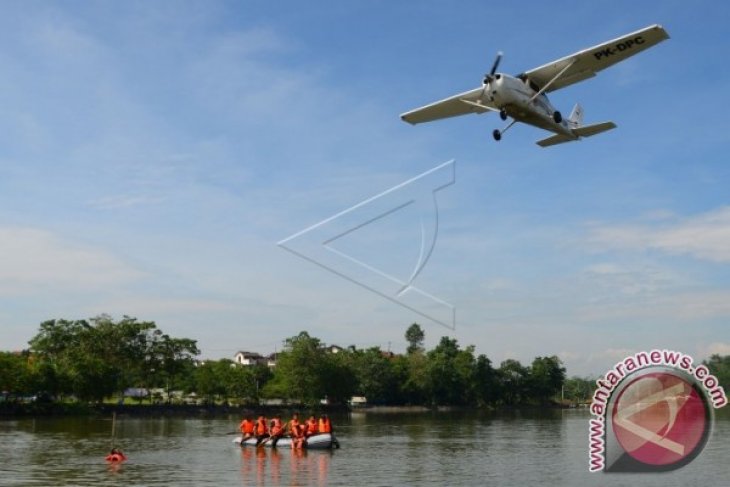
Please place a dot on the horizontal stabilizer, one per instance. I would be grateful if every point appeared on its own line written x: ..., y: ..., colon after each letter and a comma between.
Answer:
x: 593, y: 129
x: 555, y: 139
x: 584, y: 131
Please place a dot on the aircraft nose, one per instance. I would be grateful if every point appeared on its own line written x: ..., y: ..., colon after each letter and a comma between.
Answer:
x: 494, y: 87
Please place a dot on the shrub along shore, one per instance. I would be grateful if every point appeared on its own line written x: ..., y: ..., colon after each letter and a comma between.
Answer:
x: 85, y: 367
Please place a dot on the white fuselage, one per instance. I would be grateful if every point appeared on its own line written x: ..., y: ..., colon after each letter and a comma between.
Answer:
x: 515, y: 97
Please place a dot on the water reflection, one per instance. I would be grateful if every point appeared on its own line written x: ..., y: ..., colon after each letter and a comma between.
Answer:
x: 455, y: 449
x: 278, y: 467
x: 114, y: 467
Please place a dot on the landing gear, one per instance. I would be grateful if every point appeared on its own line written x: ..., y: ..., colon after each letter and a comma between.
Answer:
x: 497, y: 134
x: 503, y: 114
x: 557, y: 117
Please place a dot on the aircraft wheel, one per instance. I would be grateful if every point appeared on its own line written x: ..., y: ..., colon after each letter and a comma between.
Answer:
x: 557, y: 116
x: 503, y: 114
x: 497, y: 135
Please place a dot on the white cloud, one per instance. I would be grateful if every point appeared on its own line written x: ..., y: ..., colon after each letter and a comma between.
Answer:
x: 688, y: 307
x: 34, y: 259
x: 123, y: 201
x: 705, y: 236
x: 163, y: 305
x: 605, y: 279
x: 616, y: 354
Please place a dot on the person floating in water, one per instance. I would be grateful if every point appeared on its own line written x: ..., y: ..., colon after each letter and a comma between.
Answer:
x: 115, y: 456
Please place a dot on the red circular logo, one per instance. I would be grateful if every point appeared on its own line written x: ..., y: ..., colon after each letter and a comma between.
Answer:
x: 660, y: 419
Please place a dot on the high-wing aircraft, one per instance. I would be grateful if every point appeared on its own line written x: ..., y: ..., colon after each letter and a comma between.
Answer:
x: 523, y: 97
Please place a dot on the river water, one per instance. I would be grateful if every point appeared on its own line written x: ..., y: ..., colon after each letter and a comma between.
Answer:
x: 436, y: 449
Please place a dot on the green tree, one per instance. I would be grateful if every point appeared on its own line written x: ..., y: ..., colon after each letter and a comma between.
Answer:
x: 243, y: 382
x: 412, y: 373
x: 306, y: 373
x: 339, y: 381
x: 513, y: 378
x: 486, y: 382
x: 579, y: 389
x: 166, y: 359
x: 96, y: 358
x: 53, y: 346
x: 415, y: 336
x: 451, y: 373
x: 376, y: 377
x: 16, y: 374
x: 117, y: 351
x: 719, y: 365
x: 546, y: 378
x: 299, y: 370
x: 211, y: 379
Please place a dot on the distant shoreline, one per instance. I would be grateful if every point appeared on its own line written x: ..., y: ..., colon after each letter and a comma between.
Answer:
x: 10, y: 411
x: 20, y: 410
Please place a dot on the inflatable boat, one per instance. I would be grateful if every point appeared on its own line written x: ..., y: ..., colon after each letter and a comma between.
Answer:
x: 319, y: 441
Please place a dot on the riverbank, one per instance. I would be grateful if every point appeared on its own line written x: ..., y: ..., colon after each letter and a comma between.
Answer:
x: 45, y: 409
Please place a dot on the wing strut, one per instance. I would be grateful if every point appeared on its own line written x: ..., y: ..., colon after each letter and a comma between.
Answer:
x: 547, y: 85
x: 481, y: 108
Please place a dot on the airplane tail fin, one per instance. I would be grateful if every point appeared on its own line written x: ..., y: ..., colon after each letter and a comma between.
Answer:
x: 576, y: 116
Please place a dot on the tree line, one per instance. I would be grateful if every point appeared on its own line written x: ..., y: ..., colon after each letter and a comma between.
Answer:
x: 447, y: 375
x: 97, y: 359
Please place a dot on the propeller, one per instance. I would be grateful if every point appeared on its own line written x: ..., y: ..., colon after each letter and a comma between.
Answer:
x: 490, y: 76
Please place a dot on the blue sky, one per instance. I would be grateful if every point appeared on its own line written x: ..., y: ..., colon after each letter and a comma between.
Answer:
x: 152, y: 154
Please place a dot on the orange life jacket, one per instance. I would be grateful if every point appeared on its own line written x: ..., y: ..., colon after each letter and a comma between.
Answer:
x: 247, y: 427
x: 276, y: 428
x: 294, y: 428
x: 325, y: 426
x: 115, y: 457
x: 311, y: 426
x: 261, y: 428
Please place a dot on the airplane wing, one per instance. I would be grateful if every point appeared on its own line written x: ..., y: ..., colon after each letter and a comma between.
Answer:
x: 586, y: 63
x: 461, y: 104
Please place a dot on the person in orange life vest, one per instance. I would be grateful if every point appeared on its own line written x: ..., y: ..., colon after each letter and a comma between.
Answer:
x: 276, y: 430
x: 296, y: 432
x: 325, y: 426
x: 115, y: 455
x: 294, y: 425
x: 261, y: 430
x: 311, y: 426
x: 247, y: 428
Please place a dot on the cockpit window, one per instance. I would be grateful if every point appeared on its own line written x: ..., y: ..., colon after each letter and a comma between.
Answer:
x: 528, y: 82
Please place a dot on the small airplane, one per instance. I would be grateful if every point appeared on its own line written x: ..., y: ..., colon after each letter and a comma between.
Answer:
x: 523, y: 97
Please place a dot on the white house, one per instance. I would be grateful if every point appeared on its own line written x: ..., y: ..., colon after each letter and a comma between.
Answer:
x: 271, y: 360
x: 248, y: 358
